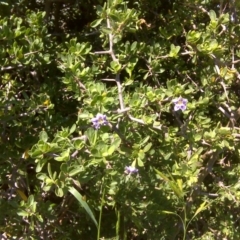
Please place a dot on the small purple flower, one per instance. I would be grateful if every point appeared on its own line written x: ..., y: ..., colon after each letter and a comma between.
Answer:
x: 99, y: 120
x: 180, y: 103
x: 130, y: 170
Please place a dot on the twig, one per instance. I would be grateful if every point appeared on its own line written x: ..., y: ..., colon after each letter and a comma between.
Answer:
x: 10, y: 67
x: 187, y: 53
x: 193, y: 82
x: 119, y: 111
x: 74, y: 154
x: 103, y: 52
x: 26, y: 54
x: 209, y: 194
x: 224, y: 112
x: 224, y: 88
x: 84, y: 138
x: 236, y: 61
x: 108, y: 79
x: 114, y: 58
x: 80, y: 84
x: 136, y: 119
x: 119, y: 85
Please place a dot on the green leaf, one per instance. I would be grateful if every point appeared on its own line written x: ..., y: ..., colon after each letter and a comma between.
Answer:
x: 40, y: 164
x: 50, y: 170
x: 147, y: 147
x: 75, y: 171
x: 193, y: 37
x: 116, y: 66
x: 224, y: 131
x: 43, y: 136
x: 133, y: 46
x: 212, y: 15
x: 65, y: 156
x: 30, y: 200
x: 83, y: 203
x: 106, y: 30
x: 145, y: 140
x: 140, y: 162
x: 172, y: 213
x: 168, y: 212
x: 83, y: 115
x: 73, y: 128
x: 41, y: 176
x: 59, y: 192
x: 141, y: 154
x: 96, y: 23
x: 173, y: 185
x: 64, y: 168
x: 200, y: 209
x: 92, y: 136
x: 116, y: 143
x: 174, y: 51
x: 167, y: 156
x: 23, y: 213
x: 35, y: 152
x: 111, y: 150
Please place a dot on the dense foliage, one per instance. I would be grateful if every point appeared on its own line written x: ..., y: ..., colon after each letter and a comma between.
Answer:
x: 119, y: 119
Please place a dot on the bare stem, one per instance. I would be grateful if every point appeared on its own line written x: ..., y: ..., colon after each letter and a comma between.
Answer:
x: 114, y: 58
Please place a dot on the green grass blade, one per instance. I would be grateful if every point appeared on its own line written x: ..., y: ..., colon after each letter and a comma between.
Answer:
x: 78, y: 196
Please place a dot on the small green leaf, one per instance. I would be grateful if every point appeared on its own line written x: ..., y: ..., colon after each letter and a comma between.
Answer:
x: 168, y: 212
x: 73, y: 128
x: 111, y: 150
x: 106, y: 30
x: 23, y: 213
x: 75, y: 171
x: 92, y: 136
x: 116, y: 66
x: 133, y: 46
x: 212, y: 15
x: 64, y: 168
x: 59, y: 192
x: 147, y: 147
x: 30, y: 200
x: 140, y: 162
x: 49, y: 170
x: 43, y: 136
x: 174, y: 51
x: 65, y: 156
x: 200, y: 209
x: 224, y: 131
x: 40, y: 164
x: 145, y: 140
x: 96, y: 23
x: 141, y: 154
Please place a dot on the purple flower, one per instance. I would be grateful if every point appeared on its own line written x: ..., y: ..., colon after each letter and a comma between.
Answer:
x: 99, y: 120
x: 180, y: 103
x: 130, y: 170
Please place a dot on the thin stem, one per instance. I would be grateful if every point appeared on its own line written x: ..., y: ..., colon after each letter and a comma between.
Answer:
x: 114, y: 58
x: 120, y: 96
x: 118, y: 224
x: 136, y: 119
x: 184, y: 225
x: 101, y: 208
